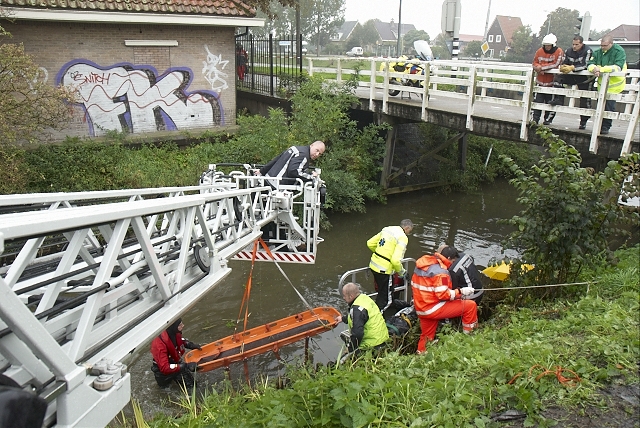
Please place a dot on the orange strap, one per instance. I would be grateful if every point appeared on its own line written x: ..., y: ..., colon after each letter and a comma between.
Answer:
x: 247, y: 290
x: 569, y: 381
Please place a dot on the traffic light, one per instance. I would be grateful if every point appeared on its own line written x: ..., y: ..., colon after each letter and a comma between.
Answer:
x: 585, y: 25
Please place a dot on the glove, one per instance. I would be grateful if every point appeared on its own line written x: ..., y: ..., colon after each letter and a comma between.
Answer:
x: 467, y: 291
x: 188, y: 366
x: 406, y: 276
x: 566, y: 68
x: 191, y: 345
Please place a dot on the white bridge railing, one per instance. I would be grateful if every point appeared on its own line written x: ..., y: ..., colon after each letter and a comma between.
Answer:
x: 88, y: 278
x: 474, y: 82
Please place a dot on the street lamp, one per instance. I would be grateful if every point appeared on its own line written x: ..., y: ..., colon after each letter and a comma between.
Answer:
x: 399, y: 28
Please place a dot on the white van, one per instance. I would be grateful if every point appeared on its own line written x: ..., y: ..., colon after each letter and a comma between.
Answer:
x: 355, y: 51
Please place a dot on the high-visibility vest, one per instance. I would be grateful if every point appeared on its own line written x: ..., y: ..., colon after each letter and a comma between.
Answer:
x: 388, y: 248
x: 431, y: 284
x: 375, y: 329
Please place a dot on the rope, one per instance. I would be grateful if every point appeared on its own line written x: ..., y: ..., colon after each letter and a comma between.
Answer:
x: 558, y: 372
x: 540, y: 286
x: 266, y: 248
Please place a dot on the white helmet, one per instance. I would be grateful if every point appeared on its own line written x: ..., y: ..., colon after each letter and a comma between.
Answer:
x: 550, y: 39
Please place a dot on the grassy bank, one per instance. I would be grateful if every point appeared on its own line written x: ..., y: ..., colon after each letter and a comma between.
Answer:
x: 549, y: 354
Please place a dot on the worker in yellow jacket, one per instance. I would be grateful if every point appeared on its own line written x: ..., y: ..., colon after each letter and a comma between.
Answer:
x: 610, y: 58
x: 388, y: 247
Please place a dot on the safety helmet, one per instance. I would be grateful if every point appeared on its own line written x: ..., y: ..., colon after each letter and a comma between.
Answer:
x: 550, y: 39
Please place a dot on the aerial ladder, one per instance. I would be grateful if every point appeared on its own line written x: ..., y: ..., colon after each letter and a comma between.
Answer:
x: 89, y: 278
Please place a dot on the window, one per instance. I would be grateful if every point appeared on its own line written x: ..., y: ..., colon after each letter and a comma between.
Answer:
x: 490, y: 39
x: 498, y: 38
x: 490, y: 52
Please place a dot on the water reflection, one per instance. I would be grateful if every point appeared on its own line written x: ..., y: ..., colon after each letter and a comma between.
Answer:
x: 470, y: 222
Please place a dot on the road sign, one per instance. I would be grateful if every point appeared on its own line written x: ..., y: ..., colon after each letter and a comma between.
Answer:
x: 484, y: 47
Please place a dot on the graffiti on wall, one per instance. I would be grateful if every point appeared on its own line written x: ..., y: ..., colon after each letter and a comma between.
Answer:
x: 210, y: 70
x: 135, y: 99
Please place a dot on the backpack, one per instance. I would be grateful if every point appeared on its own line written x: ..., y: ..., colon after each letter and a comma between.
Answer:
x: 400, y: 323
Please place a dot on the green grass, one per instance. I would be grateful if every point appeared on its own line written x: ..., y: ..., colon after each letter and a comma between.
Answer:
x: 462, y: 380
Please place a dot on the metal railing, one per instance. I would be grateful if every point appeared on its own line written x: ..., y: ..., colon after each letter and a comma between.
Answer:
x: 274, y: 66
x: 508, y: 84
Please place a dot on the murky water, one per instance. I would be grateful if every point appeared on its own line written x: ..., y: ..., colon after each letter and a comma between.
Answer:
x: 470, y: 222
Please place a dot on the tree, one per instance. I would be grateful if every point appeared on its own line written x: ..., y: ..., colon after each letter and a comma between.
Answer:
x: 319, y: 19
x: 364, y: 35
x: 29, y: 105
x: 412, y: 36
x: 561, y: 22
x: 440, y: 49
x: 597, y: 35
x: 521, y: 45
x: 567, y: 219
x: 473, y: 49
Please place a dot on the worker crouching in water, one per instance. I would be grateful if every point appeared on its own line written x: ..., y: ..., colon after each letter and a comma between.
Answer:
x: 434, y: 298
x: 167, y: 351
x: 368, y: 328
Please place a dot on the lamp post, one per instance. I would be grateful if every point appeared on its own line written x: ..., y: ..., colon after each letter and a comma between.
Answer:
x: 399, y: 28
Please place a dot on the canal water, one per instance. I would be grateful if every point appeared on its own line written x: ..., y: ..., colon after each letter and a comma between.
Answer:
x: 468, y: 221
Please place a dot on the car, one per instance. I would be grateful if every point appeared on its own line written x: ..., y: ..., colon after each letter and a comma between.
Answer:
x: 355, y: 51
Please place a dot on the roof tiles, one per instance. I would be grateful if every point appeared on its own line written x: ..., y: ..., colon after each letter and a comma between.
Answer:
x: 235, y: 8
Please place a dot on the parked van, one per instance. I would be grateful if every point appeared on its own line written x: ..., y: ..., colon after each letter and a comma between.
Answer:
x: 355, y: 51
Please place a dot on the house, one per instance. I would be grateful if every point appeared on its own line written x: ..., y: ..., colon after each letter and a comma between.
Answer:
x: 464, y: 40
x: 344, y: 32
x: 139, y: 66
x: 625, y: 32
x: 388, y: 32
x: 500, y: 35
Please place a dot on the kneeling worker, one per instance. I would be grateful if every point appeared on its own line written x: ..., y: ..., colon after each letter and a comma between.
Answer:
x: 368, y: 329
x: 167, y: 351
x: 434, y: 298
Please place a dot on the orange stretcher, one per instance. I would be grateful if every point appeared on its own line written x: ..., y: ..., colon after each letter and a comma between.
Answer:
x: 262, y: 339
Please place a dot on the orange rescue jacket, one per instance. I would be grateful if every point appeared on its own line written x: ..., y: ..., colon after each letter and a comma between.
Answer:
x: 431, y: 284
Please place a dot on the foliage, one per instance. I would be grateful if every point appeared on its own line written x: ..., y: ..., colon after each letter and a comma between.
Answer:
x: 567, y: 220
x: 440, y: 49
x: 561, y: 22
x: 597, y: 35
x: 412, y: 36
x: 473, y: 49
x: 521, y: 45
x: 463, y: 380
x: 29, y: 105
x: 364, y: 35
x: 319, y: 19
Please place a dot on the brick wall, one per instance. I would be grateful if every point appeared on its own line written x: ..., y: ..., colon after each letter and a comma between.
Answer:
x: 138, y: 89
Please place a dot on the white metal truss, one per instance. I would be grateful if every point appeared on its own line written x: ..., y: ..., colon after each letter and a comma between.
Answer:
x: 87, y: 278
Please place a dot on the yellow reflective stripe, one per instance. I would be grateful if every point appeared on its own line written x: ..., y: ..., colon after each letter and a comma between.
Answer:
x: 432, y: 309
x: 375, y: 265
x: 438, y: 289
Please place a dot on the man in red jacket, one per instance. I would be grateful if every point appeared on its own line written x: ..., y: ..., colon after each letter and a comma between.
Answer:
x: 548, y: 57
x: 167, y: 351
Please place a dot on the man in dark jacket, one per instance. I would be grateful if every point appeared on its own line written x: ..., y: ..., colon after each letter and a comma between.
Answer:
x: 575, y: 61
x: 292, y: 163
x: 167, y: 351
x: 463, y: 271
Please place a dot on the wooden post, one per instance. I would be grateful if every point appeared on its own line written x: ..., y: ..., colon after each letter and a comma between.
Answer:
x: 462, y: 151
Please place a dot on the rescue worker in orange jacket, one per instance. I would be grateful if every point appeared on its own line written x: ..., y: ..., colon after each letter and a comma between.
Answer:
x: 167, y: 351
x: 435, y: 299
x: 548, y: 57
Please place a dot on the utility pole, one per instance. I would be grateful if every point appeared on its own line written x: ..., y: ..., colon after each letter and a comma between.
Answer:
x: 486, y: 23
x: 399, y: 29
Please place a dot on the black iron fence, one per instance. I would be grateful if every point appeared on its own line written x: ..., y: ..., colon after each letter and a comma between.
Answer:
x: 271, y: 66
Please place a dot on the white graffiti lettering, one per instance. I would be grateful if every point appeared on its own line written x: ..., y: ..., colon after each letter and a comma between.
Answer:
x: 211, y: 72
x: 124, y: 98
